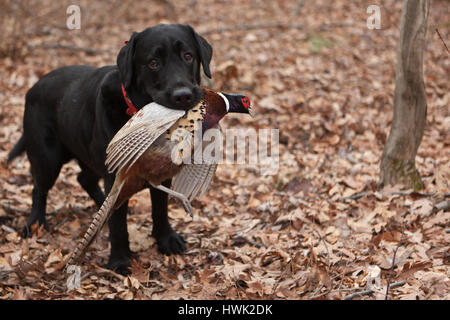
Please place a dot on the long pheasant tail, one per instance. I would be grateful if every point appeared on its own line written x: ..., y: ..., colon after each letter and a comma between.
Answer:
x: 97, y: 223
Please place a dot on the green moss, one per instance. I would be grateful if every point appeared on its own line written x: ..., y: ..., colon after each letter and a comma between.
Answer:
x: 417, y: 183
x: 405, y: 172
x: 317, y: 42
x: 279, y: 185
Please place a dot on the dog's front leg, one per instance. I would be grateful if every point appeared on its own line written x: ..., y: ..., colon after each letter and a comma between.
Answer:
x: 169, y: 242
x: 119, y: 259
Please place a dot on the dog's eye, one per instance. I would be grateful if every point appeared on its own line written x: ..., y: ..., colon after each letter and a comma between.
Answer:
x: 188, y: 57
x: 153, y: 64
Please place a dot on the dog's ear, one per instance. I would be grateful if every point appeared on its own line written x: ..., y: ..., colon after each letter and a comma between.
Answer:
x: 204, y: 49
x: 125, y: 61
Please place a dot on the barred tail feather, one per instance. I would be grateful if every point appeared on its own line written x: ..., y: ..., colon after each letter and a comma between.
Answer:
x: 97, y: 223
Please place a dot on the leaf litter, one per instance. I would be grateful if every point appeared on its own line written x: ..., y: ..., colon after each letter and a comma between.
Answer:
x: 318, y: 229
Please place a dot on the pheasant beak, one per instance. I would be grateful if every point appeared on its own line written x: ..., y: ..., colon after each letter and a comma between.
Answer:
x: 251, y: 111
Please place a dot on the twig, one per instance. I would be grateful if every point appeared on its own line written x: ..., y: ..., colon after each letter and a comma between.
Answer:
x: 342, y: 274
x: 356, y: 294
x: 317, y: 290
x: 433, y: 289
x: 170, y: 6
x: 12, y: 209
x: 110, y: 272
x: 368, y: 292
x: 407, y: 193
x: 398, y: 284
x: 284, y: 194
x: 444, y: 205
x: 249, y: 241
x: 86, y: 276
x: 43, y: 19
x: 62, y: 223
x: 298, y: 7
x: 4, y: 274
x: 360, y: 195
x: 392, y: 268
x: 320, y: 295
x: 355, y: 196
x: 442, y: 40
x: 326, y: 247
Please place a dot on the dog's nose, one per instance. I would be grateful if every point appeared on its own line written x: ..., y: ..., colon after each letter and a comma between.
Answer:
x: 182, y: 97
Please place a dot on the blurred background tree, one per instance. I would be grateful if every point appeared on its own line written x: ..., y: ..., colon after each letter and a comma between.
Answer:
x: 410, y: 105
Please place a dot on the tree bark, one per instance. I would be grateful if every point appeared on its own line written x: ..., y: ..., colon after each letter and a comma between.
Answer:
x: 410, y: 105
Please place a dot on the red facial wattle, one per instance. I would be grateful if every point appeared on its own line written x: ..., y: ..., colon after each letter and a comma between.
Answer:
x: 245, y: 102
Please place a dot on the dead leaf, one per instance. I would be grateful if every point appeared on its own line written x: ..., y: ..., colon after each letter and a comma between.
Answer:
x: 410, y: 268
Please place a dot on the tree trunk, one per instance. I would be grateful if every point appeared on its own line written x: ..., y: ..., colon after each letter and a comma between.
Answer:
x: 410, y: 105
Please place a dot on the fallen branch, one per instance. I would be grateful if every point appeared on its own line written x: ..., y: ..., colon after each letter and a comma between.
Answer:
x: 101, y: 270
x: 12, y: 209
x: 398, y: 284
x: 298, y: 7
x: 314, y: 295
x: 444, y: 205
x: 284, y: 194
x: 326, y: 247
x: 246, y: 27
x: 248, y: 241
x: 43, y: 19
x: 392, y: 268
x: 360, y: 195
x: 356, y: 294
x: 369, y: 292
x: 442, y: 40
x: 70, y: 47
x: 4, y: 274
x: 355, y: 196
x: 86, y: 276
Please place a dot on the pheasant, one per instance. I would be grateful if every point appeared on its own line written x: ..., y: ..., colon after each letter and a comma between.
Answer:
x: 141, y: 153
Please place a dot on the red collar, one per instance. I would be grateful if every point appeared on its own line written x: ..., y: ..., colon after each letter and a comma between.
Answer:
x: 131, y: 108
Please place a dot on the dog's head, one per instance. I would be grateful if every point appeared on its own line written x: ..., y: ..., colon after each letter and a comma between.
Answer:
x: 162, y: 64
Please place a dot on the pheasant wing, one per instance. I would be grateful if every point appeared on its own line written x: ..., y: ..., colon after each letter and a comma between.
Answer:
x: 194, y: 179
x: 138, y: 134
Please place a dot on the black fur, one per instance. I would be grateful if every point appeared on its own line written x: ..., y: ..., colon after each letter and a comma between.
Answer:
x: 73, y: 112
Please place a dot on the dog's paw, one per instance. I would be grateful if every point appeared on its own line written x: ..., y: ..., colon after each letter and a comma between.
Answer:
x: 120, y: 266
x: 171, y: 243
x: 27, y: 231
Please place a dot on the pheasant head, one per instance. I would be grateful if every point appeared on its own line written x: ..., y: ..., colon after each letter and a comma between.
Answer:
x: 209, y: 111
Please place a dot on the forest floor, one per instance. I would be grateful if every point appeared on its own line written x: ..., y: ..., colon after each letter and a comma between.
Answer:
x: 318, y: 229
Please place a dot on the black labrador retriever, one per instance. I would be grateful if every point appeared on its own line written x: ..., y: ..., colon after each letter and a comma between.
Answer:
x: 73, y: 112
